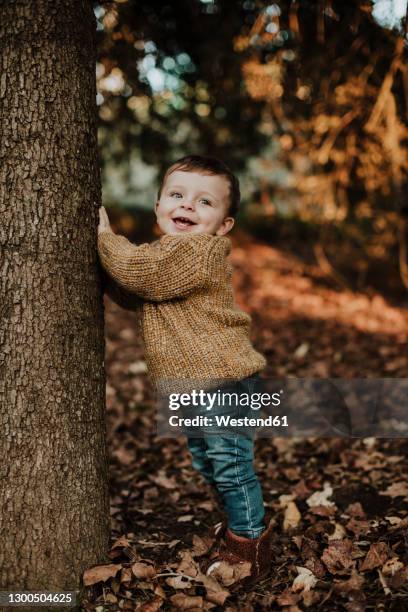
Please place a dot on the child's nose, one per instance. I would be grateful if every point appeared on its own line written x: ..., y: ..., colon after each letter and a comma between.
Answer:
x: 188, y: 205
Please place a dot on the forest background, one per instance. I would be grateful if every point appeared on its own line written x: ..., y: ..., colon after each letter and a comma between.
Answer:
x: 306, y: 101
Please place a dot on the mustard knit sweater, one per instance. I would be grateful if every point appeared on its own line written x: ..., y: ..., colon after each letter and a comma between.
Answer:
x: 181, y: 286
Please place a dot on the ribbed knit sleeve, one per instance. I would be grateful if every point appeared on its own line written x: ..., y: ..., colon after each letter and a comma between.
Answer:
x: 176, y: 267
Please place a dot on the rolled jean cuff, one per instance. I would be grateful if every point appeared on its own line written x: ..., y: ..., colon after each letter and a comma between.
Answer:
x: 252, y: 534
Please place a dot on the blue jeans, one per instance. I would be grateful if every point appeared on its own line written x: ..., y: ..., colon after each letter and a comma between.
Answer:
x: 226, y: 462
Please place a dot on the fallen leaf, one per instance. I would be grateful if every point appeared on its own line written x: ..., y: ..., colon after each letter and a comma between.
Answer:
x: 397, y: 489
x: 304, y: 581
x: 292, y: 516
x: 354, y: 583
x: 292, y: 473
x: 311, y: 598
x: 327, y: 511
x: 126, y: 457
x: 392, y: 566
x: 355, y: 510
x: 185, y: 519
x: 228, y: 574
x: 179, y: 582
x: 143, y: 570
x: 316, y: 566
x: 159, y: 591
x: 100, y: 573
x: 186, y: 602
x: 394, y: 520
x: 403, y: 524
x: 110, y: 598
x: 201, y: 545
x: 288, y: 598
x: 320, y: 498
x: 217, y: 597
x: 300, y: 490
x: 338, y: 534
x: 188, y: 565
x: 215, y: 592
x: 151, y: 493
x: 126, y: 574
x: 152, y: 605
x: 206, y: 505
x: 163, y: 481
x: 138, y: 367
x: 337, y: 556
x: 301, y: 350
x: 358, y: 527
x: 285, y: 499
x: 376, y: 556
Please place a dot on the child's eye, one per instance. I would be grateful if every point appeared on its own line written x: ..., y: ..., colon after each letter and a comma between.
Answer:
x: 175, y: 193
x: 205, y: 201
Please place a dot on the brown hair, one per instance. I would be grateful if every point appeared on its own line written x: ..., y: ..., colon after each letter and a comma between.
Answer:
x: 207, y: 165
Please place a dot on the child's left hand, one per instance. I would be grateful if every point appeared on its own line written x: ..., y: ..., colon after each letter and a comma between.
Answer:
x: 104, y: 225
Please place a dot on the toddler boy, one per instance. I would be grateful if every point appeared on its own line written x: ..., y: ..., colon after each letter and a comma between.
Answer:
x: 192, y: 330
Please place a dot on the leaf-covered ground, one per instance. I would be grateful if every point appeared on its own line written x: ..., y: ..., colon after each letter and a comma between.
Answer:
x: 340, y: 505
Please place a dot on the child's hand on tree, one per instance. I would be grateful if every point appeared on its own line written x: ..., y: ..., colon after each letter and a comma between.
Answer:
x: 104, y: 225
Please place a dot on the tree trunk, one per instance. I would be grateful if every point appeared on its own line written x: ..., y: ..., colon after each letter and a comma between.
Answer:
x: 53, y: 467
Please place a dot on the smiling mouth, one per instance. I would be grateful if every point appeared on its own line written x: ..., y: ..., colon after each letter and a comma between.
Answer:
x: 183, y: 222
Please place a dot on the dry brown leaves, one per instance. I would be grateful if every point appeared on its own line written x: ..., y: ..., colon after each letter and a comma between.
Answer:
x: 340, y: 504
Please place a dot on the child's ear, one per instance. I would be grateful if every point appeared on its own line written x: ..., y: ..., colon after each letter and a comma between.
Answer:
x: 225, y: 226
x: 156, y: 205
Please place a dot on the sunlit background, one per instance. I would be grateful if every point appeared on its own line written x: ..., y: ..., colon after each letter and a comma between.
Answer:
x: 305, y: 101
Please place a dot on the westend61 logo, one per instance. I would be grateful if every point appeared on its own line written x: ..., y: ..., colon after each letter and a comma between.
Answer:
x: 203, y: 399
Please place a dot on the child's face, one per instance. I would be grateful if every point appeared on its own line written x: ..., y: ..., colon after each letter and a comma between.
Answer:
x: 194, y: 203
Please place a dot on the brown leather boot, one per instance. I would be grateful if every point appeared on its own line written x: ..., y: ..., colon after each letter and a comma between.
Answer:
x: 235, y: 549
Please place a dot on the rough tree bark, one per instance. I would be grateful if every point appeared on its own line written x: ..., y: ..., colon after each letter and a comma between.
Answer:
x: 53, y: 464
